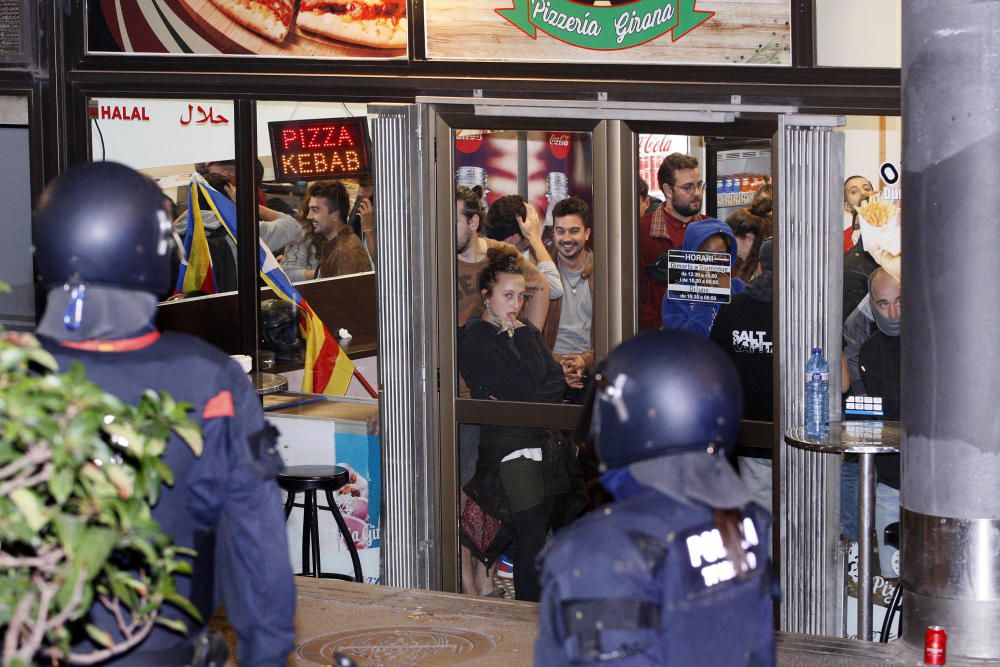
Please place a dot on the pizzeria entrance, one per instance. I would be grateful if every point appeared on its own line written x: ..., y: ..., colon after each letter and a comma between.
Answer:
x: 522, y: 146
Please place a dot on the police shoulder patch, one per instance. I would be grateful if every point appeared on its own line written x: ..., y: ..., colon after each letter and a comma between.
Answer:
x: 220, y: 405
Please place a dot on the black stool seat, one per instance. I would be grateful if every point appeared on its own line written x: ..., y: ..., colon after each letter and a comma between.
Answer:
x: 313, y: 478
x: 308, y: 480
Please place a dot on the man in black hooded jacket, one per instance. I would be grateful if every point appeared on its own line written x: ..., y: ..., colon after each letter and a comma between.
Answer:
x: 744, y: 328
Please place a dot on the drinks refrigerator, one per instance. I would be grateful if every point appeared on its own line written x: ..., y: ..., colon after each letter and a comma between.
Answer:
x: 734, y: 170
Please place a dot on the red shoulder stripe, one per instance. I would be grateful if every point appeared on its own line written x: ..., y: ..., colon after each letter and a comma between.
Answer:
x: 119, y: 345
x: 220, y: 405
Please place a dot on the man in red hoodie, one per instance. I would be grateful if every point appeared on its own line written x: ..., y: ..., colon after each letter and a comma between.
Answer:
x: 663, y: 230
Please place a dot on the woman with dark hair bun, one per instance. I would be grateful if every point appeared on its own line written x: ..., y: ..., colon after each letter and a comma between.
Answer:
x: 749, y: 232
x: 523, y: 474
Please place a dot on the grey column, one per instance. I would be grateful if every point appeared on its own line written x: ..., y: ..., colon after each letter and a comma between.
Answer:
x: 405, y: 347
x: 809, y: 155
x: 951, y: 326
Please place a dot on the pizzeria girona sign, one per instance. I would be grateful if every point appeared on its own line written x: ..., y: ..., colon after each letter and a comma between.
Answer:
x: 604, y: 28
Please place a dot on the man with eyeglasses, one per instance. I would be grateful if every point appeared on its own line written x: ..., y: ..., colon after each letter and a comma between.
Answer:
x: 663, y: 229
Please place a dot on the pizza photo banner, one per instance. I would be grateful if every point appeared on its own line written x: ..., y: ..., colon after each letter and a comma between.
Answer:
x: 735, y: 32
x: 354, y: 29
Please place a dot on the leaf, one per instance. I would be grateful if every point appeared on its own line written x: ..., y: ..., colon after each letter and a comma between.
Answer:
x: 184, y: 605
x: 65, y: 591
x: 173, y: 623
x: 70, y: 531
x: 121, y: 589
x: 183, y: 567
x: 121, y: 477
x: 191, y: 434
x: 30, y: 507
x: 126, y: 437
x: 138, y: 586
x: 95, y: 549
x: 101, y: 637
x: 61, y: 484
x: 42, y: 358
x: 165, y: 473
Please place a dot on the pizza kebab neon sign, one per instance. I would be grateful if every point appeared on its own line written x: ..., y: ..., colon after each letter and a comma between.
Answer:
x: 319, y: 148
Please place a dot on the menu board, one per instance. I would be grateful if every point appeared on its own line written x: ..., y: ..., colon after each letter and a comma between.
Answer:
x: 737, y: 32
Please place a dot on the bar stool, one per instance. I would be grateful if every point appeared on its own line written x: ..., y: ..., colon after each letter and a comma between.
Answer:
x: 310, y: 479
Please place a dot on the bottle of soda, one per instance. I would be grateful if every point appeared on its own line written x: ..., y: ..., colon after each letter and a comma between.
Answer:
x: 817, y: 395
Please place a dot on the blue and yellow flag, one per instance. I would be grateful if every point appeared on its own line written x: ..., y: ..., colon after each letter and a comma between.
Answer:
x: 328, y: 369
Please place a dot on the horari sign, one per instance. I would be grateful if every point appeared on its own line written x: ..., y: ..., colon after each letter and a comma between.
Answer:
x: 699, y: 276
x: 606, y: 28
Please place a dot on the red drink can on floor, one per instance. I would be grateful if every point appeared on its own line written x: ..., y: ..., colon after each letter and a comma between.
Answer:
x: 935, y: 643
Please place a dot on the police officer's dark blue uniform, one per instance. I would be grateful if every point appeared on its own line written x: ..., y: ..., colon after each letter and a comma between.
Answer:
x: 100, y: 237
x: 676, y: 572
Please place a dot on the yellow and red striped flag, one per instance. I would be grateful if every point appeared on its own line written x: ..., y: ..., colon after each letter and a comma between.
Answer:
x: 328, y: 369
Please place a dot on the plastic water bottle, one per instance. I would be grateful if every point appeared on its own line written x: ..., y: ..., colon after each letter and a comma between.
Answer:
x: 817, y: 395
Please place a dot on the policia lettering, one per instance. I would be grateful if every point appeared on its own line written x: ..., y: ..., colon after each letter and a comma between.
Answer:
x: 606, y: 28
x: 708, y: 553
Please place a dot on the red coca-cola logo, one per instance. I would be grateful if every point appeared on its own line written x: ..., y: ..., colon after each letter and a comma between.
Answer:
x: 559, y: 144
x: 655, y: 143
x: 469, y: 143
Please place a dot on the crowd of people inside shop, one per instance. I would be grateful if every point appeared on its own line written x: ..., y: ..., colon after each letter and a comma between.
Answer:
x: 871, y: 354
x: 544, y: 277
x: 325, y: 236
x: 525, y: 305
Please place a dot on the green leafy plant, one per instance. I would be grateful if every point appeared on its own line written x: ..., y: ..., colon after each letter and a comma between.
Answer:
x: 79, y: 470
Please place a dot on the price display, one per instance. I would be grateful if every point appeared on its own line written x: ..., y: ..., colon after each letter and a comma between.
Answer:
x: 310, y: 150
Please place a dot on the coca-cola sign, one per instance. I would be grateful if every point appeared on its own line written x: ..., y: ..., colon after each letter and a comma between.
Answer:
x: 559, y: 144
x: 656, y: 143
x: 469, y: 143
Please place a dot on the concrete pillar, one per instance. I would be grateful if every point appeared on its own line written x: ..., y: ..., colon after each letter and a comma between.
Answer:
x: 951, y: 325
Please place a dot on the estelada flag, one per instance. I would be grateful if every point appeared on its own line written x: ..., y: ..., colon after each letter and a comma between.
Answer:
x: 196, y: 272
x: 328, y: 369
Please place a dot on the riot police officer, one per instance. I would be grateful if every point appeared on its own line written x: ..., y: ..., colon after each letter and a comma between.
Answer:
x: 675, y: 572
x: 101, y: 247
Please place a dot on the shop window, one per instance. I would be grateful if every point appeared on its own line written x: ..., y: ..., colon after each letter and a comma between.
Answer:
x: 318, y: 207
x: 172, y: 141
x: 318, y: 310
x: 16, y: 305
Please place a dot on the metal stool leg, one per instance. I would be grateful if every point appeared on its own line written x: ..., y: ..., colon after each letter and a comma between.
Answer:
x: 306, y: 519
x: 317, y: 567
x: 289, y: 502
x: 348, y: 538
x: 890, y: 613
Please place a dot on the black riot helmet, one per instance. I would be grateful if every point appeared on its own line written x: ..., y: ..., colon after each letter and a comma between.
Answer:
x: 102, y: 224
x: 662, y: 393
x: 279, y: 327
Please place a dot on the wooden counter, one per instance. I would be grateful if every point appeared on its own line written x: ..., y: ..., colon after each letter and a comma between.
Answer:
x: 335, y: 408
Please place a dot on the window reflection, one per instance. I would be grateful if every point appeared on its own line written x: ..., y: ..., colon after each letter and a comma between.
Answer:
x: 188, y: 136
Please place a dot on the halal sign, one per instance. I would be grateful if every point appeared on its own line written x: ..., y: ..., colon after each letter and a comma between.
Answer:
x: 308, y: 150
